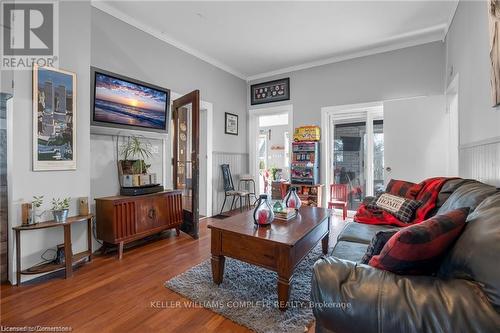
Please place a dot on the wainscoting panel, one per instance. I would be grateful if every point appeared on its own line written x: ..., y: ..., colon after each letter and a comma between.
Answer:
x: 481, y: 161
x: 238, y: 163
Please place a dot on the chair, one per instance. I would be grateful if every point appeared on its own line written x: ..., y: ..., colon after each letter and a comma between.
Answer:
x: 249, y: 184
x: 229, y: 190
x: 338, y: 198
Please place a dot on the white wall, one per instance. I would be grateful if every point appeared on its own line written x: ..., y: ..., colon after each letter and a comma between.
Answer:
x: 74, y: 56
x: 416, y: 138
x: 121, y: 48
x: 409, y: 72
x: 467, y: 53
x: 404, y: 73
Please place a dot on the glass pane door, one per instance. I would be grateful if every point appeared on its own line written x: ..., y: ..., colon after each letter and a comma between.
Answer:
x: 378, y: 157
x: 262, y: 160
x: 186, y: 116
x: 349, y: 160
x: 184, y: 179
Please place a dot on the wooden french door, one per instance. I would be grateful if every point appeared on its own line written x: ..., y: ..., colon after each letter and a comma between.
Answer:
x: 186, y: 115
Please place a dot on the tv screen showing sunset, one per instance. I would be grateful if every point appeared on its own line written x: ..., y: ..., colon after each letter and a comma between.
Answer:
x: 122, y: 102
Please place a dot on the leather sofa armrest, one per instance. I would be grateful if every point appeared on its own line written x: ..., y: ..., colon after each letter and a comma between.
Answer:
x: 351, y: 297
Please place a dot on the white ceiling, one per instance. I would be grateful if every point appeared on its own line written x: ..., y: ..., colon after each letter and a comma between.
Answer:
x: 257, y: 39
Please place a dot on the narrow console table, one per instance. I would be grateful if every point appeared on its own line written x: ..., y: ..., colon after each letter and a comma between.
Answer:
x: 69, y: 259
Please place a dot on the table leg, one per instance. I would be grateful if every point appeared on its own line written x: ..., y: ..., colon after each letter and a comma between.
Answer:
x: 218, y: 268
x: 324, y: 243
x: 68, y: 253
x: 285, y: 272
x: 18, y: 258
x: 283, y: 291
x: 120, y: 251
x: 89, y: 237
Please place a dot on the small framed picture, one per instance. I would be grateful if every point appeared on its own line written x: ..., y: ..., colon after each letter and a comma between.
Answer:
x: 231, y: 124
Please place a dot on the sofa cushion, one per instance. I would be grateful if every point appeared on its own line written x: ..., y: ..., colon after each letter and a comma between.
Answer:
x: 476, y: 254
x: 362, y: 233
x: 400, y: 207
x: 448, y: 188
x: 418, y: 249
x: 470, y: 194
x: 403, y: 188
x: 377, y: 244
x: 349, y: 251
x: 382, y: 302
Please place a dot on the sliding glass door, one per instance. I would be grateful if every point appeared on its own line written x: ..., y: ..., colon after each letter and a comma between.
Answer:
x: 357, y: 154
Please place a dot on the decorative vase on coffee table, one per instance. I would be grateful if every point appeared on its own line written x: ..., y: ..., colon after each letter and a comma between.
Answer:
x: 292, y: 200
x: 263, y: 214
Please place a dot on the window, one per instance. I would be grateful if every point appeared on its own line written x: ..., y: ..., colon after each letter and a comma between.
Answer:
x: 273, y: 120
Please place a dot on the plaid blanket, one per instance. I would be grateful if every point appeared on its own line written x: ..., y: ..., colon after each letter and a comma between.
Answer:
x: 427, y: 195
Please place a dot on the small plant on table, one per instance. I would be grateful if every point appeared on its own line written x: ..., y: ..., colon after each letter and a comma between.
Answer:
x: 60, y: 208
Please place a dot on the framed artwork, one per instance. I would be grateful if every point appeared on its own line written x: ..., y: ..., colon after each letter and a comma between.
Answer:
x: 54, y: 119
x: 494, y: 25
x: 231, y: 124
x: 271, y: 91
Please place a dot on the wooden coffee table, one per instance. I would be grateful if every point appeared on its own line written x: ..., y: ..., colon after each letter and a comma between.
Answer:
x: 279, y: 247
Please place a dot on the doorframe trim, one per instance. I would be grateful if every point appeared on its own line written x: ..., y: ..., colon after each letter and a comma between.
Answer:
x: 451, y: 90
x: 253, y: 115
x: 11, y: 250
x: 327, y: 112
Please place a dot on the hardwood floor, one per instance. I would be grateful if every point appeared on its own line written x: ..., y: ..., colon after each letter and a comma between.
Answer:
x: 108, y: 295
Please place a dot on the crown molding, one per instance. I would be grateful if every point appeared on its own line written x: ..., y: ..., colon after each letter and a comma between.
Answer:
x: 164, y: 37
x: 414, y: 38
x: 450, y: 19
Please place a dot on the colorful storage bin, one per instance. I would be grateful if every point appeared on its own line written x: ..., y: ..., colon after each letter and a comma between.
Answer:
x: 307, y: 133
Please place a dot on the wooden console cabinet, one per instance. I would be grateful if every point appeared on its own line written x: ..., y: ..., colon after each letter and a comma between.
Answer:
x: 123, y: 219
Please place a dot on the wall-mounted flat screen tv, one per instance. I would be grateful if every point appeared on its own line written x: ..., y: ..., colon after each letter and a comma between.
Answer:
x: 127, y: 103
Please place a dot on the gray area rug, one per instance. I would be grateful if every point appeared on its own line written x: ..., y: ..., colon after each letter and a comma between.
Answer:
x: 248, y: 294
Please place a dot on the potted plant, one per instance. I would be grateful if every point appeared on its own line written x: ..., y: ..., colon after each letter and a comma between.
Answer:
x: 35, y: 207
x: 60, y: 209
x: 134, y: 152
x: 274, y: 172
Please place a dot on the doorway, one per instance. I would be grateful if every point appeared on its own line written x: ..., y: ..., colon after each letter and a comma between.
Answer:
x: 269, y: 138
x: 206, y: 129
x: 5, y: 103
x: 186, y: 142
x: 354, y: 150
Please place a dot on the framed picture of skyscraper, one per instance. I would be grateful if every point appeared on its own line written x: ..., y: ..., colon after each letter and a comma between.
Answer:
x: 54, y: 119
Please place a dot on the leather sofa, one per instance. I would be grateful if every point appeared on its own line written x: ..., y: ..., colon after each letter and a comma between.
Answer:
x: 463, y: 296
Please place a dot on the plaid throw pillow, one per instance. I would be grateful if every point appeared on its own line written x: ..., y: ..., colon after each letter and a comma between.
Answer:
x: 419, y: 249
x: 403, y: 189
x: 401, y: 208
x: 377, y: 244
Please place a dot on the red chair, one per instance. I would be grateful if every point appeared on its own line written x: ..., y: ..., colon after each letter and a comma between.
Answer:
x: 338, y: 198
